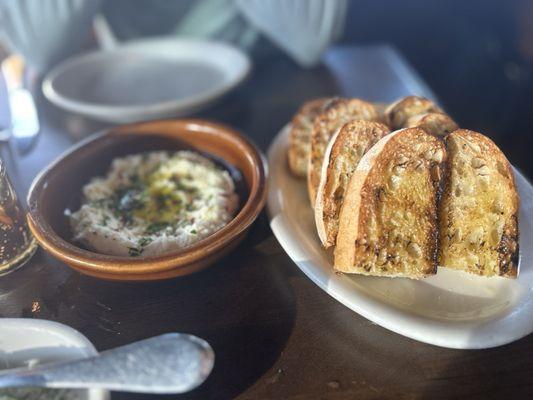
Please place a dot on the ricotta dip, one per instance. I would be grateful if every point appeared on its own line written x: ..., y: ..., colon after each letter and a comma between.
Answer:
x: 153, y: 203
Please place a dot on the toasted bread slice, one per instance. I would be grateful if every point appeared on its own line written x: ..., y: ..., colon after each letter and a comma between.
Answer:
x: 479, y: 208
x: 436, y: 124
x: 400, y: 111
x: 342, y: 156
x: 388, y: 221
x: 300, y: 136
x: 335, y: 114
x: 381, y: 108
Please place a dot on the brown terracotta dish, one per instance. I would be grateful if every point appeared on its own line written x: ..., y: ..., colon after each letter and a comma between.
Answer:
x: 59, y: 187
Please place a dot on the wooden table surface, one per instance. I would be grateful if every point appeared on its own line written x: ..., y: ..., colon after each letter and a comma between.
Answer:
x: 275, y: 333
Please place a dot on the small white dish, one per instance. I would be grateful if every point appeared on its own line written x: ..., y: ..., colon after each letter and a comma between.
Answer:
x: 28, y: 342
x: 451, y: 309
x: 146, y: 79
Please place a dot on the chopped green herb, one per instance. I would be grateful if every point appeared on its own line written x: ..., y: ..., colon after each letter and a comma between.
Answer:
x: 194, y: 232
x: 144, y: 241
x: 134, y: 251
x: 155, y: 227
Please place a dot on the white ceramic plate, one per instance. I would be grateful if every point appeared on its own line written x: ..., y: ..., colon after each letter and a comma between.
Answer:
x: 452, y: 309
x: 27, y: 342
x: 146, y: 79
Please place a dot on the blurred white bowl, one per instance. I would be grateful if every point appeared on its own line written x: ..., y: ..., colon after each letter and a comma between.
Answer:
x: 27, y: 342
x: 146, y: 79
x: 302, y: 28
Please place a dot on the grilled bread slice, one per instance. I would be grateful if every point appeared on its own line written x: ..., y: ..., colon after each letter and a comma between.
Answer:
x: 479, y: 208
x: 388, y: 221
x: 400, y: 111
x: 436, y: 124
x: 300, y: 136
x: 342, y: 156
x: 335, y: 114
x: 381, y: 108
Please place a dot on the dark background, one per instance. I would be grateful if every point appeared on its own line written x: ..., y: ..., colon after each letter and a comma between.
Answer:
x: 477, y: 56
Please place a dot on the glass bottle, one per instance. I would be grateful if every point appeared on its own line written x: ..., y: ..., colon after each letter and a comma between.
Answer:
x: 17, y: 244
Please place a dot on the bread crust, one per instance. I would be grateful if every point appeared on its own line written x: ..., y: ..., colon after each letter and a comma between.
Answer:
x: 342, y: 156
x: 365, y: 247
x: 381, y: 108
x: 436, y: 124
x: 334, y: 115
x: 300, y: 136
x: 401, y: 110
x: 479, y: 209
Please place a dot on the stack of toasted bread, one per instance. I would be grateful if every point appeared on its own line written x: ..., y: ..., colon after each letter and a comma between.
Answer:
x: 399, y: 190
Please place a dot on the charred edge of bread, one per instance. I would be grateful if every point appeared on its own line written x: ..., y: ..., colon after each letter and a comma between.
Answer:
x: 335, y: 114
x: 401, y: 110
x: 508, y: 249
x: 424, y: 161
x: 300, y: 136
x: 508, y: 244
x: 342, y: 156
x: 435, y: 124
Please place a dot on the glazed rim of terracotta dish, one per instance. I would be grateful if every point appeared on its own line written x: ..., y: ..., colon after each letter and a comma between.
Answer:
x: 92, y: 156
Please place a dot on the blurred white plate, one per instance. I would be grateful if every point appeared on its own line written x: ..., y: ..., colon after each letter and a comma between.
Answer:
x: 28, y: 342
x: 146, y: 79
x: 451, y: 309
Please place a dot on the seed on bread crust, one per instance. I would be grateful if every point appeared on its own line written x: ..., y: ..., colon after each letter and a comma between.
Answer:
x: 438, y: 156
x: 398, y: 169
x: 475, y: 235
x: 458, y: 234
x: 477, y: 162
x: 428, y: 155
x: 473, y: 146
x: 402, y: 159
x: 414, y: 250
x: 484, y: 170
x: 394, y: 182
x: 497, y: 234
x: 382, y: 257
x: 498, y: 206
